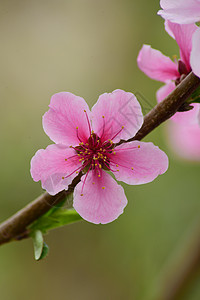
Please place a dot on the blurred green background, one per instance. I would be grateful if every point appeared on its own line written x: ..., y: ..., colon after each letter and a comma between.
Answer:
x: 86, y: 47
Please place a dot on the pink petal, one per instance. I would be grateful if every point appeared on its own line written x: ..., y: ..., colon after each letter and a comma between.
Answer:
x: 99, y: 205
x: 138, y: 162
x: 156, y: 65
x: 186, y: 117
x: 65, y: 114
x: 183, y: 36
x: 195, y: 54
x: 180, y: 11
x: 50, y: 166
x: 165, y: 90
x: 116, y: 116
x: 184, y: 140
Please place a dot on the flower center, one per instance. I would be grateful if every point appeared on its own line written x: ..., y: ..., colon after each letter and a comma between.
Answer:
x: 95, y: 154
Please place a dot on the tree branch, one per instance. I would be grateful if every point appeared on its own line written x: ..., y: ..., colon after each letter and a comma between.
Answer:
x: 16, y: 226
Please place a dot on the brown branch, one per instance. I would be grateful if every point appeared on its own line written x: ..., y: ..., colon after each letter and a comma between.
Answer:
x: 168, y: 107
x: 16, y: 226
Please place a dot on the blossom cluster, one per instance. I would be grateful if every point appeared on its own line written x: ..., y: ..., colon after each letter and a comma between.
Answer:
x: 184, y: 127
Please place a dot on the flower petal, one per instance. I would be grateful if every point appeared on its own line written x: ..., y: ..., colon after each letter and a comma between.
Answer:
x: 184, y: 140
x: 138, y: 162
x: 122, y: 116
x: 65, y: 114
x: 103, y: 199
x: 165, y: 90
x: 50, y: 165
x: 156, y: 65
x: 180, y: 11
x: 195, y: 54
x: 183, y: 36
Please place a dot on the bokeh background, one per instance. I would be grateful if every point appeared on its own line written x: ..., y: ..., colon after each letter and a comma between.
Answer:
x: 86, y: 47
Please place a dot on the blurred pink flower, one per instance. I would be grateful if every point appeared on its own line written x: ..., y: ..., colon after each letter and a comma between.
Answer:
x: 180, y: 11
x: 85, y: 141
x: 184, y: 140
x: 160, y: 67
x: 184, y: 136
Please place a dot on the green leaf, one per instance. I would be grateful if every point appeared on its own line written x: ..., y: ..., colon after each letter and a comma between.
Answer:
x: 45, y: 251
x: 57, y: 216
x: 37, y: 243
x: 56, y: 219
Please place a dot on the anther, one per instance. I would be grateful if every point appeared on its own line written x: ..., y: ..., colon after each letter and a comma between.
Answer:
x: 81, y: 194
x: 63, y: 177
x: 93, y: 183
x: 65, y: 159
x: 103, y: 117
x: 103, y: 187
x: 99, y: 175
x: 138, y: 146
x: 132, y: 168
x: 117, y: 166
x: 122, y: 127
x: 100, y: 166
x: 76, y: 127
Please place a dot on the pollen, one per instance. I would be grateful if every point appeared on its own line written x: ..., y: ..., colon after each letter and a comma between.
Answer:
x: 117, y: 166
x: 103, y: 187
x: 122, y: 127
x: 76, y: 172
x: 132, y: 168
x: 65, y: 159
x: 81, y: 194
x: 114, y: 153
x: 76, y: 127
x: 84, y: 110
x: 63, y: 177
x: 99, y: 175
x: 100, y: 166
x: 103, y: 117
x: 93, y: 183
x: 138, y: 146
x: 117, y: 170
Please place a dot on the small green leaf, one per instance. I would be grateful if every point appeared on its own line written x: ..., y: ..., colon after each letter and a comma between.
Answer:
x: 45, y: 251
x: 58, y: 218
x: 37, y: 243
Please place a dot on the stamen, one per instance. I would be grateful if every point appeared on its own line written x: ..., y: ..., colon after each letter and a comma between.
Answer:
x: 78, y: 136
x: 85, y: 180
x: 88, y: 121
x: 118, y: 132
x: 103, y: 126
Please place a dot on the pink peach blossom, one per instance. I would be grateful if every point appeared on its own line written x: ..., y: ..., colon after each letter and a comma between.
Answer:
x: 180, y: 11
x: 185, y: 134
x: 160, y: 67
x: 85, y: 141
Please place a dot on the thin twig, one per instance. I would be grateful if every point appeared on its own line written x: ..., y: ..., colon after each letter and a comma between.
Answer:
x: 16, y: 226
